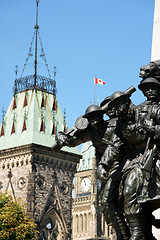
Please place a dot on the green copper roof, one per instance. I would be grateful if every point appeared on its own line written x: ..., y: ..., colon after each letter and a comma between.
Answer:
x: 33, y: 116
x: 88, y: 152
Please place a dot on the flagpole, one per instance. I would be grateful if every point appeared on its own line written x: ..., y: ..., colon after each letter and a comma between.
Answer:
x: 94, y: 91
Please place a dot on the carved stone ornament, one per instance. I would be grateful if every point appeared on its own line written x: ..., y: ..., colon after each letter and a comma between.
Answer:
x: 21, y: 183
x: 41, y: 182
x: 64, y: 188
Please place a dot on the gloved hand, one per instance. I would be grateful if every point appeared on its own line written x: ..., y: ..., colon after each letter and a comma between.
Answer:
x: 101, y: 173
x: 61, y: 139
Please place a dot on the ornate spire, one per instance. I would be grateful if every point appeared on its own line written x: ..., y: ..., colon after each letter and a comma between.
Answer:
x: 35, y: 80
x: 36, y: 29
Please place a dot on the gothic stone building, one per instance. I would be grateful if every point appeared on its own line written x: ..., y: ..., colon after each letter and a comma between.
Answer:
x: 29, y: 170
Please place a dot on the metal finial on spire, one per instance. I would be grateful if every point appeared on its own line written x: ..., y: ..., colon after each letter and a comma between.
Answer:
x: 55, y: 72
x: 3, y: 113
x: 54, y: 82
x: 35, y: 61
x: 64, y: 114
x: 35, y: 80
x: 16, y: 71
x: 15, y: 82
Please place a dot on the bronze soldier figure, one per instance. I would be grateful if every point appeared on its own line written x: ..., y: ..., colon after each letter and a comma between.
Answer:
x: 135, y: 127
x: 102, y: 134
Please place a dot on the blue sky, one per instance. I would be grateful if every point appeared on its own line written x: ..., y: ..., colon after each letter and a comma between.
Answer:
x: 83, y: 39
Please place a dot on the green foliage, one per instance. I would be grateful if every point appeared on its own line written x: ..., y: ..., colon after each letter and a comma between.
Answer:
x: 14, y: 222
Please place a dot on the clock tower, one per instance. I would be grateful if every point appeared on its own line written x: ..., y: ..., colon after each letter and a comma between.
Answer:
x: 87, y: 220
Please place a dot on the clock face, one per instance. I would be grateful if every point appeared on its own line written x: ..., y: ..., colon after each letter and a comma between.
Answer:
x: 85, y: 184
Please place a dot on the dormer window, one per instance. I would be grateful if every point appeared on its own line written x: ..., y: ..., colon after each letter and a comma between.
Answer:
x: 14, y: 103
x: 42, y: 126
x: 43, y: 103
x: 13, y: 128
x: 25, y: 101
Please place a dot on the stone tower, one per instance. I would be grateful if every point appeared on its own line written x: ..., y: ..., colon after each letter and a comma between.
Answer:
x: 88, y: 221
x: 155, y: 55
x: 28, y: 168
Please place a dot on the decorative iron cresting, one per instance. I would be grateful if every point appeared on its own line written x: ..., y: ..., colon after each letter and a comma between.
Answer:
x: 28, y: 82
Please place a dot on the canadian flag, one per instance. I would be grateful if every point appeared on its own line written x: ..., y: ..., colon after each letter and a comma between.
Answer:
x: 98, y: 81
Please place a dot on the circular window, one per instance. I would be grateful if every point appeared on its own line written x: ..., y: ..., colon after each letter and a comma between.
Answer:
x: 21, y: 183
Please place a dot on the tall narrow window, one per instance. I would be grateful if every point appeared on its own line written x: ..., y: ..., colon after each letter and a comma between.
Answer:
x: 25, y: 101
x: 42, y: 126
x: 13, y: 128
x: 14, y: 103
x: 24, y: 126
x: 54, y: 105
x: 85, y: 223
x: 2, y: 130
x: 77, y: 224
x: 53, y: 129
x: 43, y: 103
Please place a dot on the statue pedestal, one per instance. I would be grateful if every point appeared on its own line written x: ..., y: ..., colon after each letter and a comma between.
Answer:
x: 156, y: 232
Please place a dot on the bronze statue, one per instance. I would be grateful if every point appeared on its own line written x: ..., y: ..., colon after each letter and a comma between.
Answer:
x: 127, y: 155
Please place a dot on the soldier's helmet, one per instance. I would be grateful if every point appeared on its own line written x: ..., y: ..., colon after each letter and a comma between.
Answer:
x: 105, y: 101
x: 146, y: 81
x: 116, y: 96
x: 92, y: 109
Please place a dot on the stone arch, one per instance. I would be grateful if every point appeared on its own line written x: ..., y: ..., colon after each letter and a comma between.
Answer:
x: 57, y: 227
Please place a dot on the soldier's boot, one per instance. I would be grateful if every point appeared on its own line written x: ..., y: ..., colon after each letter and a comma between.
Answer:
x: 136, y: 226
x: 121, y: 228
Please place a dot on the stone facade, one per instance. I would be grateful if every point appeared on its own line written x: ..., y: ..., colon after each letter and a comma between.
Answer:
x: 43, y: 180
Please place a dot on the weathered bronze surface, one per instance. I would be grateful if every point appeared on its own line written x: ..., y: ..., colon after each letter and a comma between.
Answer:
x: 127, y: 154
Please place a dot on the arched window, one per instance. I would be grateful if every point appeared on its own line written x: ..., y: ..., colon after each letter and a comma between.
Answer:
x: 77, y: 224
x: 85, y: 223
x: 81, y: 223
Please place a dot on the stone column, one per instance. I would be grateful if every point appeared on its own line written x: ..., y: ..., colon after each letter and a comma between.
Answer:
x: 155, y: 55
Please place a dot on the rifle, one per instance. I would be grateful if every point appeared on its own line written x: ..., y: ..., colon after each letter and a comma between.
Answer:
x: 81, y: 124
x: 147, y: 160
x: 130, y: 90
